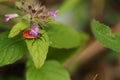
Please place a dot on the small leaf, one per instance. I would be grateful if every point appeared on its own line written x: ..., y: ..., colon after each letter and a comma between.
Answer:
x: 38, y: 49
x: 19, y: 5
x: 11, y: 50
x: 51, y: 70
x: 62, y: 36
x: 104, y: 34
x: 18, y: 28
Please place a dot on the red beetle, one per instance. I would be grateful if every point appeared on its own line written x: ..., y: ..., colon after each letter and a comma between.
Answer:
x: 26, y: 34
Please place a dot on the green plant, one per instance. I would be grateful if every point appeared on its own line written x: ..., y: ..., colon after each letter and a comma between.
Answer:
x: 35, y: 32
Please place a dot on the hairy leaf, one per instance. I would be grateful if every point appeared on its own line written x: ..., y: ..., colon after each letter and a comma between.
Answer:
x: 18, y: 28
x: 11, y: 50
x: 62, y: 36
x: 104, y: 34
x: 62, y: 55
x: 38, y: 49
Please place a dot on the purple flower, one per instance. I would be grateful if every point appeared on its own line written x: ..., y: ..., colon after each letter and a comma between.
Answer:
x: 10, y: 16
x: 54, y: 14
x: 34, y: 30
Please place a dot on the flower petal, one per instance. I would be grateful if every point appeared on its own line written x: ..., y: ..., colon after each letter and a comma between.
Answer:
x: 7, y: 19
x: 10, y: 16
x: 34, y: 30
x: 34, y: 33
x: 54, y: 14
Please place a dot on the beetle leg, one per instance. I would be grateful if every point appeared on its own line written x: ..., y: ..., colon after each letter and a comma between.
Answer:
x: 33, y: 41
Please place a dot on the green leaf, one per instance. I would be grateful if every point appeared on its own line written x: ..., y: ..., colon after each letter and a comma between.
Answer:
x: 11, y: 50
x: 62, y: 55
x: 18, y: 28
x: 51, y: 70
x: 104, y: 34
x: 62, y: 36
x: 38, y: 49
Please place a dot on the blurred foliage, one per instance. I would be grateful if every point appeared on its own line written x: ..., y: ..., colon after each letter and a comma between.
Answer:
x: 83, y: 15
x: 104, y: 34
x: 112, y: 55
x: 111, y: 13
